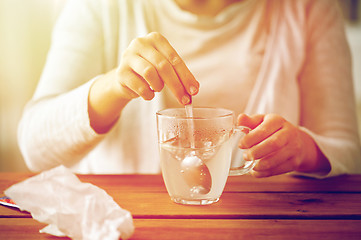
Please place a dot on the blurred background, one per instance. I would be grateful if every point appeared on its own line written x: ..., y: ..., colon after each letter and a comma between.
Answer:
x: 25, y: 32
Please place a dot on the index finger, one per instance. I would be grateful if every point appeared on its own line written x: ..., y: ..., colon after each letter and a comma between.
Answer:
x: 270, y: 124
x: 190, y: 84
x: 250, y: 121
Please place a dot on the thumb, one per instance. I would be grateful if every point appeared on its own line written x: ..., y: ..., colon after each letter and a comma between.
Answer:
x: 250, y: 121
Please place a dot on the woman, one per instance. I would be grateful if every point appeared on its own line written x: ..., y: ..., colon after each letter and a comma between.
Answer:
x: 284, y: 66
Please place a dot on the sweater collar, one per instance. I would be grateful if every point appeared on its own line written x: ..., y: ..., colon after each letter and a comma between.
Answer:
x: 174, y: 12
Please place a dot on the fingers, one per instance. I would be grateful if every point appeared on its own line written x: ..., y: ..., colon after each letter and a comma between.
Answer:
x: 147, y: 72
x: 184, y: 75
x: 285, y: 167
x: 133, y: 86
x: 251, y: 122
x: 154, y: 63
x: 167, y: 73
x: 265, y: 127
x: 275, y: 158
x: 273, y: 142
x: 140, y: 78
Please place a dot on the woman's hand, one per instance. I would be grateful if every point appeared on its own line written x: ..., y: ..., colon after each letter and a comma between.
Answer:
x: 147, y: 65
x: 280, y: 147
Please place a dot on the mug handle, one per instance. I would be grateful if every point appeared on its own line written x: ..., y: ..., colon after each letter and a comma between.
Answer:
x: 238, y: 165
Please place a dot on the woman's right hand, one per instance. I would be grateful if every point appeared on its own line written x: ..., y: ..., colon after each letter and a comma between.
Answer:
x: 147, y: 65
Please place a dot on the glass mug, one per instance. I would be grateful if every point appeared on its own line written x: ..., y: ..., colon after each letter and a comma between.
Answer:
x: 196, y: 153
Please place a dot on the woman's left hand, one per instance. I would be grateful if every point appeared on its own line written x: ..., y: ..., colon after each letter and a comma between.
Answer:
x: 279, y: 146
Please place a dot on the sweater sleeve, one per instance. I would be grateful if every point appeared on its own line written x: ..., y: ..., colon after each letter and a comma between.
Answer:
x: 55, y: 128
x: 327, y: 96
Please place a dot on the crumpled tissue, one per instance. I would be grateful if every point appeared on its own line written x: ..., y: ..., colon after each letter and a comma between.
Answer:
x: 70, y: 207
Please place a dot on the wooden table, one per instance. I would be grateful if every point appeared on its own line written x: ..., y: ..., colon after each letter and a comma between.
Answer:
x: 281, y: 207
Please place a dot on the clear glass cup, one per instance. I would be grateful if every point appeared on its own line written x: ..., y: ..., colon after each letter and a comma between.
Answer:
x: 196, y: 152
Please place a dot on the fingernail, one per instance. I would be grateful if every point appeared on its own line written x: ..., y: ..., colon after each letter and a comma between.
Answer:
x: 193, y: 90
x: 241, y: 145
x: 245, y: 156
x: 185, y: 100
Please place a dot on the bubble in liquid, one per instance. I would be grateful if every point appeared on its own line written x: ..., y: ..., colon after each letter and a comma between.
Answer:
x: 197, y: 190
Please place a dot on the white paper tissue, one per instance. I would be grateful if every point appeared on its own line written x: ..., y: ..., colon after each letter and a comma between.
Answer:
x: 70, y: 207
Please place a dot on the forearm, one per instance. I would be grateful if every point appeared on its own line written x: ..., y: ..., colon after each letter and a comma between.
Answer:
x: 326, y: 91
x: 105, y: 102
x: 56, y: 130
